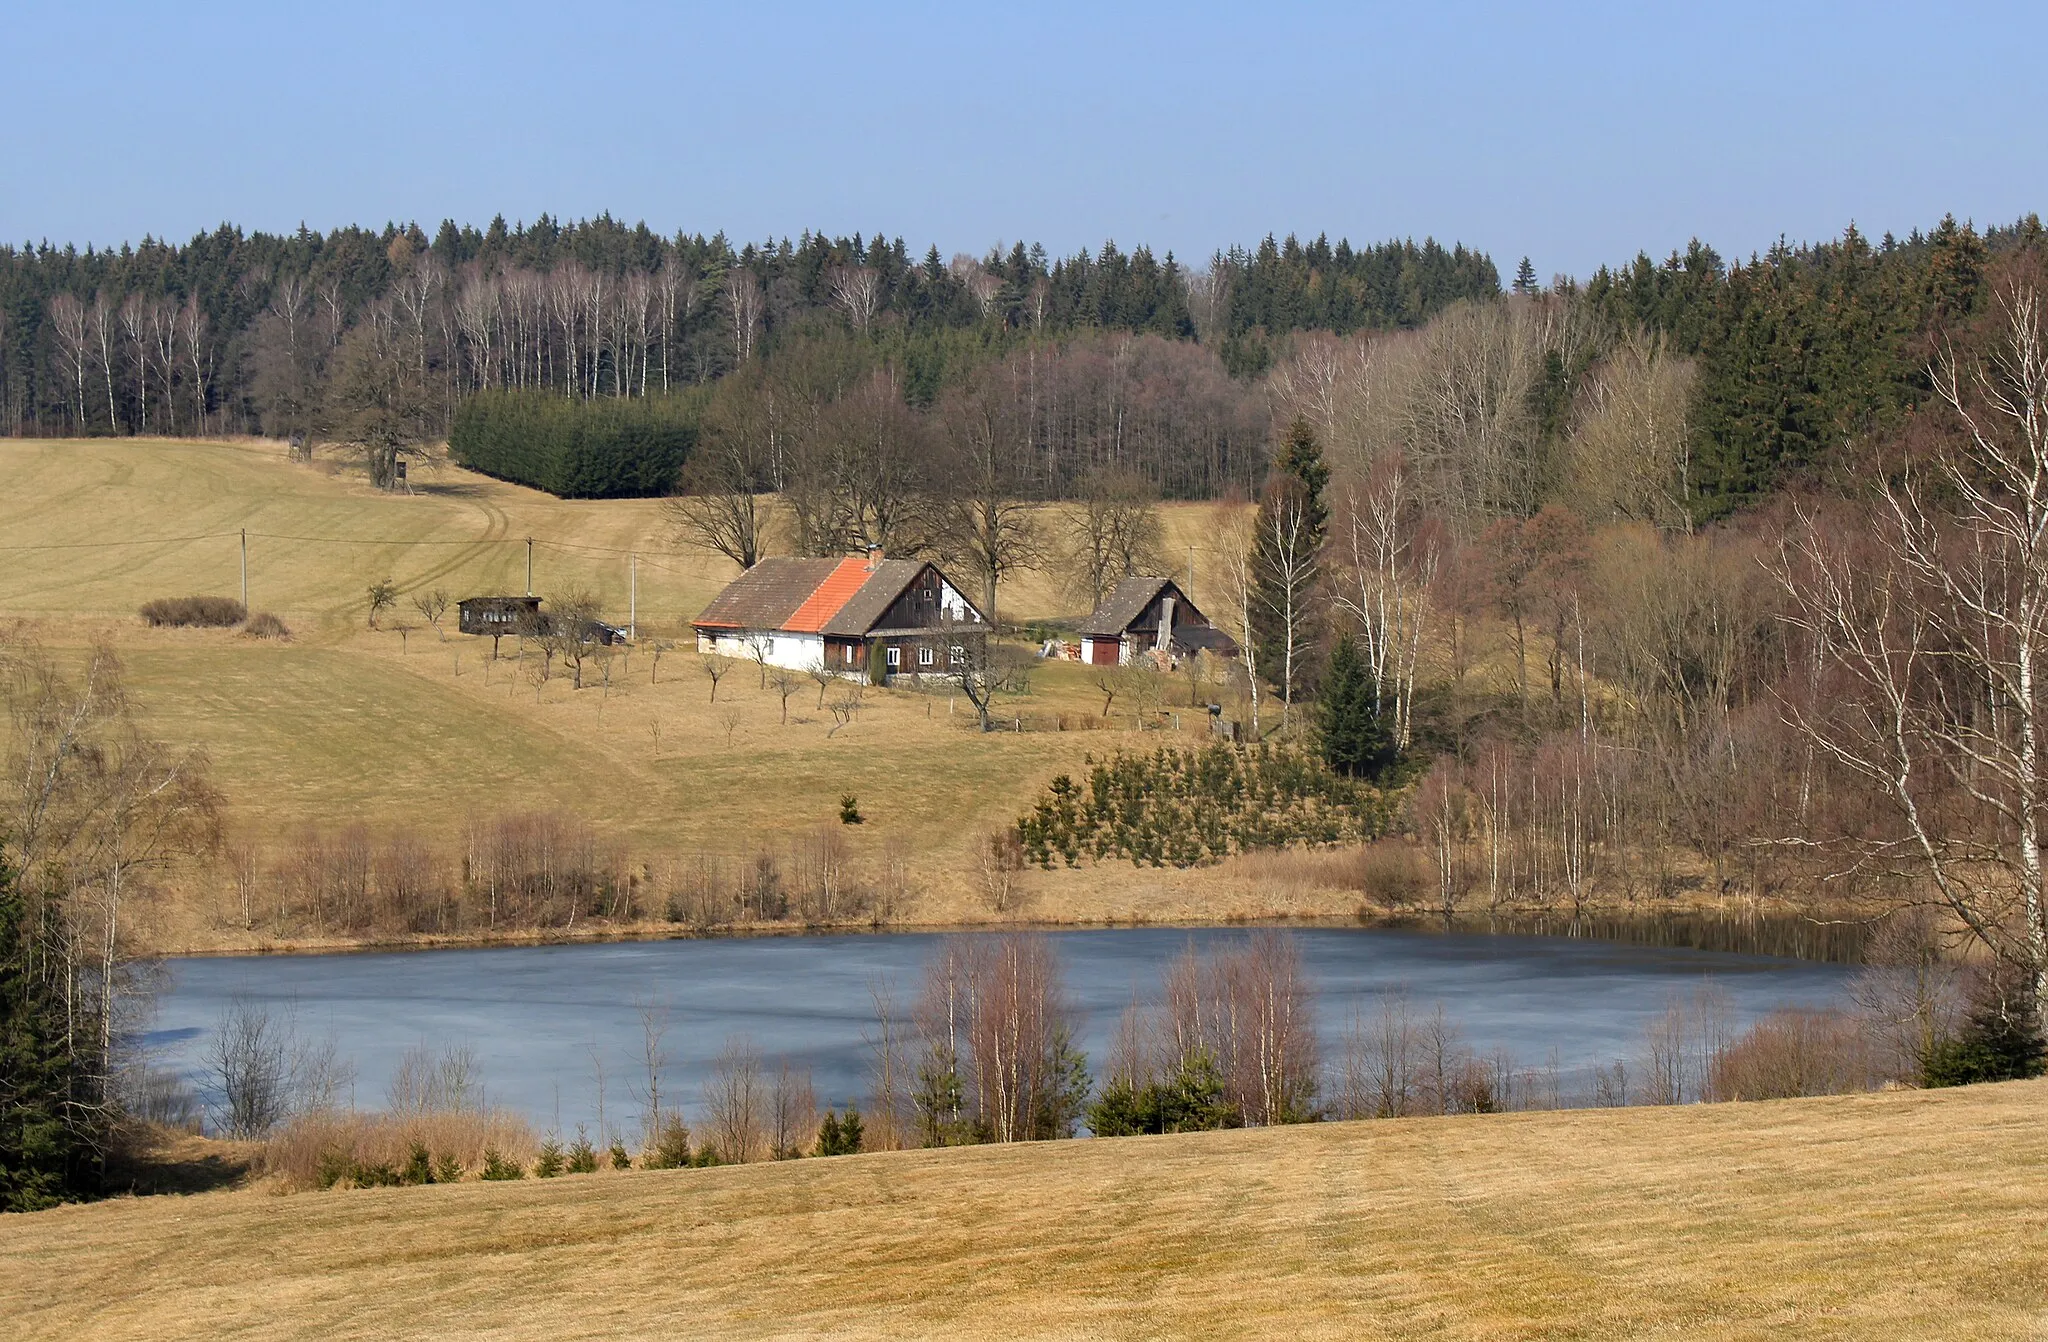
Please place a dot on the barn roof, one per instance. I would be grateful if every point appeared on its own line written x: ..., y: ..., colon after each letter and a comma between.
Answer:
x: 768, y: 594
x: 1126, y: 603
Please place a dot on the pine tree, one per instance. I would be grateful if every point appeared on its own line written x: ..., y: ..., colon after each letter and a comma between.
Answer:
x: 1355, y: 741
x: 1525, y: 278
x: 1292, y: 523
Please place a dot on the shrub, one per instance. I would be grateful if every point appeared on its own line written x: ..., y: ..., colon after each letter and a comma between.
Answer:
x: 849, y: 810
x: 496, y: 1167
x: 2000, y: 1039
x: 202, y: 612
x: 670, y: 1149
x: 582, y: 1155
x: 320, y: 1148
x: 621, y: 1160
x: 549, y: 1163
x: 607, y: 448
x: 1190, y: 1100
x: 265, y: 625
x: 1790, y: 1053
x: 419, y: 1166
x: 839, y: 1136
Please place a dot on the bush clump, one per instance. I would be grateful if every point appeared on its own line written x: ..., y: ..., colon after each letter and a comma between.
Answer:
x: 265, y: 625
x: 604, y: 449
x: 670, y: 1149
x: 195, y: 612
x: 582, y: 1155
x: 2000, y: 1039
x: 496, y: 1167
x: 839, y: 1136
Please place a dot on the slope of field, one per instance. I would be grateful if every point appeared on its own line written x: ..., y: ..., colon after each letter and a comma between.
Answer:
x: 1920, y: 1214
x: 415, y: 730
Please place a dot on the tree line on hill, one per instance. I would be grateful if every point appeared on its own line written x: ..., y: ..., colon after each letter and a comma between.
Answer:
x: 1116, y: 360
x: 243, y: 333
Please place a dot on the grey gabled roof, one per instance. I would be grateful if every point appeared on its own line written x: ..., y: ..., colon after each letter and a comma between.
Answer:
x: 766, y: 595
x: 1125, y: 603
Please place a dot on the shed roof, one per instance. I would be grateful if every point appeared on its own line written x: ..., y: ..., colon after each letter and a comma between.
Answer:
x: 1125, y: 603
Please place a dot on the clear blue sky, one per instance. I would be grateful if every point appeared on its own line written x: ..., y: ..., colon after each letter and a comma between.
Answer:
x: 1573, y: 137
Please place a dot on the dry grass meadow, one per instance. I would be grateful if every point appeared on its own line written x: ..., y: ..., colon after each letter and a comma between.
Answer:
x: 417, y: 730
x: 1900, y: 1215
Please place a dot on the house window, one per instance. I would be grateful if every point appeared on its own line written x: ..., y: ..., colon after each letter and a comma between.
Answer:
x: 957, y: 655
x: 895, y: 658
x: 850, y: 652
x: 924, y: 657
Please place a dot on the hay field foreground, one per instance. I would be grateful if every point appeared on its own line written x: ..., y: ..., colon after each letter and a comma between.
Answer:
x: 1905, y: 1215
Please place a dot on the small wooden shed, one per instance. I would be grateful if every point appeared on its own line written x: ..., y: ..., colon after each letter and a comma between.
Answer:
x: 496, y: 616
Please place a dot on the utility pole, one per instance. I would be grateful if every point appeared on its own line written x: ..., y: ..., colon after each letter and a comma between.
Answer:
x: 529, y: 566
x: 633, y: 601
x: 245, y: 570
x: 1191, y: 573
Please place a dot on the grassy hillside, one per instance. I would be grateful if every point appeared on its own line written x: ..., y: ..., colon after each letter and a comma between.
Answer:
x: 416, y: 731
x: 1911, y: 1214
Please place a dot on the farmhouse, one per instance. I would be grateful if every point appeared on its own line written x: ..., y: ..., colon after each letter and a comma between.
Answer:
x: 1149, y: 617
x: 893, y: 616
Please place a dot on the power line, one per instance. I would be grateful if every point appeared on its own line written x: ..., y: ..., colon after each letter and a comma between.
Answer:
x: 109, y: 545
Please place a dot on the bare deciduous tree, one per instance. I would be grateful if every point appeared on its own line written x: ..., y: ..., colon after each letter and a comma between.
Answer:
x: 736, y: 1103
x: 1934, y: 636
x: 857, y: 291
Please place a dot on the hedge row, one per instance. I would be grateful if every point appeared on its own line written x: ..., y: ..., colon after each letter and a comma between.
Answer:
x: 603, y: 449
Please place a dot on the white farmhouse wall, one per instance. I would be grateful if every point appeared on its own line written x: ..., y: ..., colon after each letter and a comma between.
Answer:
x: 798, y: 652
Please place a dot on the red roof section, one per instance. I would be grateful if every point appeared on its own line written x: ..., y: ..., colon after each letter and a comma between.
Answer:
x: 824, y: 602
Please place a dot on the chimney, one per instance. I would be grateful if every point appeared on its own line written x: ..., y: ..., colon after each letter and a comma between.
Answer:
x: 874, y: 557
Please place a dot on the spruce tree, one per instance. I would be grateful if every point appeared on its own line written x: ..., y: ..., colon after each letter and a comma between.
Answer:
x: 1525, y: 278
x: 1355, y: 741
x: 1292, y: 524
x: 44, y: 1158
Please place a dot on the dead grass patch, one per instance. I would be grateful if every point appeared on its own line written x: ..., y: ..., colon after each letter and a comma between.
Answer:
x: 1914, y: 1214
x: 293, y: 1155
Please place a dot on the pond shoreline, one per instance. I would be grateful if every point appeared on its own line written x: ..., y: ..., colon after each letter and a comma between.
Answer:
x: 1833, y: 935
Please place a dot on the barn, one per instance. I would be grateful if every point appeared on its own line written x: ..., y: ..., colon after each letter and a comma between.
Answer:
x: 805, y: 614
x: 1149, y: 617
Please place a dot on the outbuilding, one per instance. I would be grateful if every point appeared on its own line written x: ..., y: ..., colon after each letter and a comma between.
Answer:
x: 1149, y: 618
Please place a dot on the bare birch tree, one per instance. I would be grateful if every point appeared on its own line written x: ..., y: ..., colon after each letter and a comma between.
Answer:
x: 1935, y: 638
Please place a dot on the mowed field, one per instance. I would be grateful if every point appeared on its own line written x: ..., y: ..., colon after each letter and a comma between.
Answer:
x: 1901, y: 1215
x: 417, y: 730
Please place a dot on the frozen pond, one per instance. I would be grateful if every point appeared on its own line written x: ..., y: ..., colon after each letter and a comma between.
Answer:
x: 534, y: 1016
